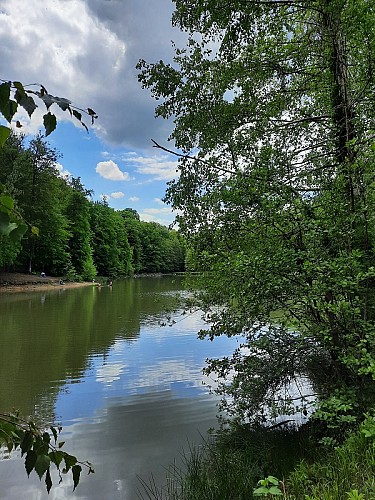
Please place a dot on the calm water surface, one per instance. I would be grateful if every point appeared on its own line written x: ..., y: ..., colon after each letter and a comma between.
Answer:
x: 127, y: 391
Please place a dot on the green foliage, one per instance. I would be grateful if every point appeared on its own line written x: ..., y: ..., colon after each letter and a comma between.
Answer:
x: 111, y: 249
x: 368, y: 428
x: 132, y: 227
x: 268, y: 487
x: 162, y: 250
x: 230, y: 463
x: 14, y: 95
x: 11, y: 222
x: 80, y: 235
x: 69, y: 235
x: 346, y: 472
x: 4, y: 134
x: 40, y: 194
x: 12, y: 228
x: 40, y: 448
x: 277, y: 204
x: 355, y: 495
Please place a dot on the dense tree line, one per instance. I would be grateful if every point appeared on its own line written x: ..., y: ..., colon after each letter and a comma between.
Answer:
x: 277, y: 100
x: 70, y: 235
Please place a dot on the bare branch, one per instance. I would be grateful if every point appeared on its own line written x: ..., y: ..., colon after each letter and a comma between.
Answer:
x: 194, y: 158
x: 314, y: 119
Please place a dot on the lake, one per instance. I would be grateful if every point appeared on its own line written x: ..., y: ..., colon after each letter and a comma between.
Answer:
x: 105, y: 363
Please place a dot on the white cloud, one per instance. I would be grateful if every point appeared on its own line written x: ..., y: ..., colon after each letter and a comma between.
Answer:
x: 134, y: 198
x: 110, y: 170
x: 78, y: 44
x: 117, y: 194
x: 158, y: 200
x: 162, y: 215
x: 157, y: 211
x: 87, y: 50
x: 160, y: 168
x: 168, y: 372
x: 109, y: 373
x: 65, y: 174
x: 105, y: 197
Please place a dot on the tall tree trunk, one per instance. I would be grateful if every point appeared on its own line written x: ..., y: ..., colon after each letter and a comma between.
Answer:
x: 342, y: 109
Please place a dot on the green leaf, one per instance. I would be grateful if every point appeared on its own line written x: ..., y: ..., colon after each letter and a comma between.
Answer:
x: 30, y: 461
x: 9, y: 110
x: 7, y: 202
x: 63, y: 103
x: 19, y: 87
x: 17, y: 233
x: 47, y: 99
x: 26, y: 102
x: 4, y: 93
x: 35, y: 230
x: 48, y: 480
x: 27, y: 442
x: 76, y: 471
x: 6, y: 429
x: 54, y: 433
x: 273, y: 480
x: 70, y: 460
x: 93, y: 115
x: 4, y: 134
x: 6, y: 226
x: 49, y: 121
x: 56, y: 457
x: 4, y: 96
x: 46, y: 437
x: 40, y: 446
x: 77, y: 115
x: 260, y: 491
x: 42, y: 464
x: 274, y: 490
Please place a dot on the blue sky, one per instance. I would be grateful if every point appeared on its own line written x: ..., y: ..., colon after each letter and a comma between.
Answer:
x: 125, y: 177
x: 86, y: 51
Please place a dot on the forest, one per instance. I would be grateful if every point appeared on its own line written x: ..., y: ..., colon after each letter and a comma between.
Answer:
x: 68, y: 234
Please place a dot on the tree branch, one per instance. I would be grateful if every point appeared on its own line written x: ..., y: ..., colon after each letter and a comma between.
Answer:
x: 284, y: 123
x: 194, y: 158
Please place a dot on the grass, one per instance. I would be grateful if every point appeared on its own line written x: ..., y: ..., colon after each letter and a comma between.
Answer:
x: 229, y: 466
x: 346, y: 469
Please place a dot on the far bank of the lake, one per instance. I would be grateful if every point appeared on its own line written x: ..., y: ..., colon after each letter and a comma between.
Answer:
x: 22, y: 282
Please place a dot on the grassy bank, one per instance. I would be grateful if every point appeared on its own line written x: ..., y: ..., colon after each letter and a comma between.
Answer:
x: 229, y: 467
x: 347, y: 472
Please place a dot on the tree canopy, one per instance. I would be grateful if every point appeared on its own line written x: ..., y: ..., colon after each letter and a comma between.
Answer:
x: 273, y: 105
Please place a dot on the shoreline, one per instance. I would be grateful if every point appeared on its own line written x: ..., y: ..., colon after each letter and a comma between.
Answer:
x: 23, y: 282
x: 18, y: 282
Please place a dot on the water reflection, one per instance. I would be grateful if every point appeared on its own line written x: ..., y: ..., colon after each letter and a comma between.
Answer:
x: 128, y: 392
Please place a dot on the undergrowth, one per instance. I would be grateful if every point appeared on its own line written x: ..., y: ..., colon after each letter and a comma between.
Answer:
x: 232, y: 465
x: 346, y: 473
